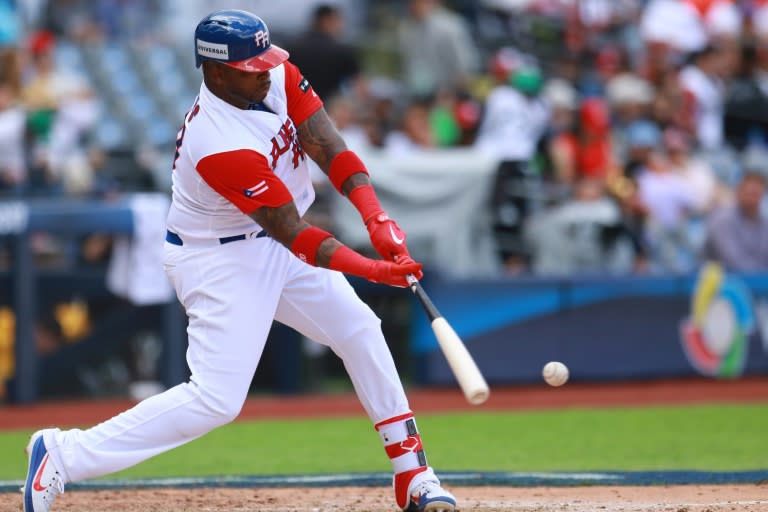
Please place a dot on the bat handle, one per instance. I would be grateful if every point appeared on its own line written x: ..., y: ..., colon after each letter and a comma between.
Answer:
x: 426, y: 302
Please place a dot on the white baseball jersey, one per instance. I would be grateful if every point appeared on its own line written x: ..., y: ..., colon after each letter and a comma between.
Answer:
x: 230, y: 161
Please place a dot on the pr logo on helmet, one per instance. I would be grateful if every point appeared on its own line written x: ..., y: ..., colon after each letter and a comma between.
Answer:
x: 261, y: 38
x: 715, y: 337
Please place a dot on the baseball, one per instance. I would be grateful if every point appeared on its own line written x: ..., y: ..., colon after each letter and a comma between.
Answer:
x: 555, y: 373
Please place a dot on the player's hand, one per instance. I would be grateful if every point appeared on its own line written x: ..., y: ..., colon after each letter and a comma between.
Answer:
x: 387, y: 237
x: 394, y: 274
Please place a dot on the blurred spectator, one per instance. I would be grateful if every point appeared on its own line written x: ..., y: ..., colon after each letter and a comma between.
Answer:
x: 594, y: 147
x: 609, y: 61
x: 514, y: 121
x: 62, y: 108
x: 737, y: 236
x: 746, y: 108
x: 586, y: 152
x: 454, y: 118
x: 466, y: 112
x: 344, y: 112
x: 377, y: 102
x: 670, y: 29
x: 515, y: 117
x: 503, y: 62
x: 665, y: 198
x: 583, y: 234
x: 630, y: 97
x: 673, y: 27
x: 12, y: 124
x: 414, y: 133
x: 562, y: 99
x: 672, y: 106
x: 706, y: 192
x: 323, y: 58
x: 436, y: 48
x: 703, y: 82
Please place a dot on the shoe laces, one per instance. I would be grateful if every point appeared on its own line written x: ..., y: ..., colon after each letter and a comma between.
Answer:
x: 57, y: 485
x: 426, y: 487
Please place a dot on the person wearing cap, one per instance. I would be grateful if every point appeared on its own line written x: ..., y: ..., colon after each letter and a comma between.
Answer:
x: 240, y: 255
x: 514, y: 121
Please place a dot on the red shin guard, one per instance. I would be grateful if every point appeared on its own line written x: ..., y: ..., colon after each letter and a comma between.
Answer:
x: 402, y: 443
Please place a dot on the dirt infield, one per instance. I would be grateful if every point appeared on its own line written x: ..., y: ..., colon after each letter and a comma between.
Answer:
x: 688, y: 498
x: 749, y: 498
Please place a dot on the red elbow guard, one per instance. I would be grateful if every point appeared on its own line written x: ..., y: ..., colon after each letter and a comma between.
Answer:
x: 305, y: 244
x: 344, y: 165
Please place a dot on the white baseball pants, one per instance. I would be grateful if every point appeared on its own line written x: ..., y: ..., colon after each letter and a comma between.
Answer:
x: 231, y: 293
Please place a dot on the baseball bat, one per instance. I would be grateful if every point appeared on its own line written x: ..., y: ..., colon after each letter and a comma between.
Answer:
x: 465, y: 370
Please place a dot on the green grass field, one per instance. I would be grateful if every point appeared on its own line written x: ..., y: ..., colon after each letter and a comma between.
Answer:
x: 716, y: 438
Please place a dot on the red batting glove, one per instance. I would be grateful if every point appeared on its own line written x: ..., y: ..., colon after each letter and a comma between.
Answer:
x: 387, y: 237
x: 394, y: 274
x: 348, y: 261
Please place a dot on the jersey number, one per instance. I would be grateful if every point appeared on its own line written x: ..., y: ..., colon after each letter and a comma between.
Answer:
x: 180, y: 139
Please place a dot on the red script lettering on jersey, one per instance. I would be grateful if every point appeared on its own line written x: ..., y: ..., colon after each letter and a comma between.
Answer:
x: 180, y: 137
x: 286, y: 139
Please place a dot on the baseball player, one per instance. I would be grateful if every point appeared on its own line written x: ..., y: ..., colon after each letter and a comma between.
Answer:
x: 239, y: 255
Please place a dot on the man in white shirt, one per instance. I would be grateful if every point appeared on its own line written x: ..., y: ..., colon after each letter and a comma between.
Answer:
x: 240, y: 254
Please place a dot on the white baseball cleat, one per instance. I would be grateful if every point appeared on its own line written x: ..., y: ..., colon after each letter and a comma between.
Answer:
x: 44, y: 482
x: 429, y: 496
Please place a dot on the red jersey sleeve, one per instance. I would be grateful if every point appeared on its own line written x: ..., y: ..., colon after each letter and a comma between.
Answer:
x: 245, y: 179
x: 302, y: 99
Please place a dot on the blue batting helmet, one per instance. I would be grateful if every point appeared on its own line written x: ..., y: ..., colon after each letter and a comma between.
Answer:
x: 238, y: 39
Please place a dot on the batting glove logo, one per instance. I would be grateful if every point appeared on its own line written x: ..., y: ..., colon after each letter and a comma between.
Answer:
x: 398, y: 241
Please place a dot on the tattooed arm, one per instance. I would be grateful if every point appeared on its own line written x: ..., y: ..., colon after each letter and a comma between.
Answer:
x: 323, y: 143
x: 284, y: 225
x: 321, y: 249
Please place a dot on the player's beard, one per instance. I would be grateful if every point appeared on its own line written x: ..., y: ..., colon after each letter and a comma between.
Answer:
x: 262, y: 90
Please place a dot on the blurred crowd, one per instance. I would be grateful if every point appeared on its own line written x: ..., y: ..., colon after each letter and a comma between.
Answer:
x: 631, y: 135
